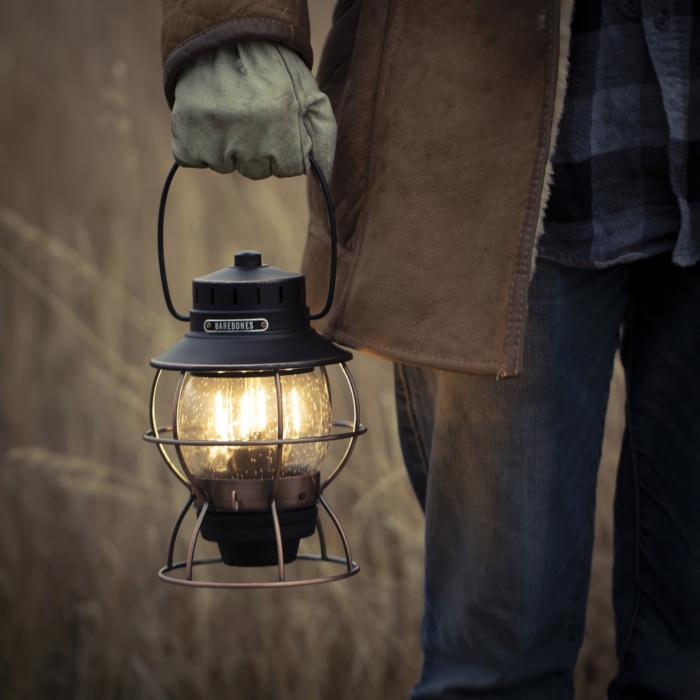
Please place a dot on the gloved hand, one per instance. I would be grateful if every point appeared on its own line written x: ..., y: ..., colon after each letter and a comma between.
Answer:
x: 252, y: 107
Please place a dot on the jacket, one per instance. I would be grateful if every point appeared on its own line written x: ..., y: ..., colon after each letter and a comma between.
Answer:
x: 447, y: 114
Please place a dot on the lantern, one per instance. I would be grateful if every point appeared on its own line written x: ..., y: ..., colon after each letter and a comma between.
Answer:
x: 252, y: 417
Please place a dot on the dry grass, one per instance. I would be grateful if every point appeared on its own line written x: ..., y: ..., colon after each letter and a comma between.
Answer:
x: 85, y: 506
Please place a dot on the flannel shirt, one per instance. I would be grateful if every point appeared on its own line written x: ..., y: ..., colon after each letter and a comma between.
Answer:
x: 626, y: 166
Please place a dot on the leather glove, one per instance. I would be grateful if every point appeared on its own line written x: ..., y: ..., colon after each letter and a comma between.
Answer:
x: 252, y: 107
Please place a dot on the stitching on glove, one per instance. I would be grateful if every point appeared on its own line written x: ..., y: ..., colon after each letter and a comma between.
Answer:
x: 300, y: 112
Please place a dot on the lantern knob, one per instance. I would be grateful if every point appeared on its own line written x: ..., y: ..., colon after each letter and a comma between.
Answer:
x: 248, y: 258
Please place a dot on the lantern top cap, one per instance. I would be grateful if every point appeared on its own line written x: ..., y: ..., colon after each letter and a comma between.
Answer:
x: 248, y: 267
x: 250, y: 316
x: 248, y: 258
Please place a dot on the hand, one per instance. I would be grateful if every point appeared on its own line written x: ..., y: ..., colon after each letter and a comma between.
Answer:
x: 253, y: 107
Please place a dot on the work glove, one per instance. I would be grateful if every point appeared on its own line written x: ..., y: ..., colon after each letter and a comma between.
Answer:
x: 253, y: 107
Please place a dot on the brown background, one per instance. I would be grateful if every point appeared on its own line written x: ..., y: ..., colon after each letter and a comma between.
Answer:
x: 86, y: 507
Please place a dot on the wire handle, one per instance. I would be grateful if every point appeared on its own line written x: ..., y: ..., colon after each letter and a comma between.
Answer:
x: 334, y: 239
x: 161, y: 253
x: 331, y: 224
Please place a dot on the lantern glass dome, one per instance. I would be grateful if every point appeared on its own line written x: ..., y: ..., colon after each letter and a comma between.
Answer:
x: 243, y: 406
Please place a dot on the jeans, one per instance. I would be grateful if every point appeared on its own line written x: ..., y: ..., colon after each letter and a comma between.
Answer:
x: 506, y: 473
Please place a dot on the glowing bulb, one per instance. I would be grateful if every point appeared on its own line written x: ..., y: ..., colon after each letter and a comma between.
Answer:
x: 244, y: 407
x: 221, y: 429
x: 261, y: 411
x: 296, y: 417
x: 245, y: 415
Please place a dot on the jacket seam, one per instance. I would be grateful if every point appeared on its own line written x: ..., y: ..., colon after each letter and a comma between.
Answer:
x: 336, y: 17
x: 344, y: 335
x: 392, y: 17
x: 336, y: 70
x: 343, y: 252
x: 530, y: 203
x: 236, y: 21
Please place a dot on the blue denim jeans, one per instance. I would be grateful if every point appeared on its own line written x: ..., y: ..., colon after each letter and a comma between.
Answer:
x: 506, y: 473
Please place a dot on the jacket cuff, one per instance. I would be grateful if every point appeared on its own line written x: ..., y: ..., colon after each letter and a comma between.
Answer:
x: 247, y: 29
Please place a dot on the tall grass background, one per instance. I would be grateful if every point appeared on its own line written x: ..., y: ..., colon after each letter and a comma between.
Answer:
x: 86, y: 507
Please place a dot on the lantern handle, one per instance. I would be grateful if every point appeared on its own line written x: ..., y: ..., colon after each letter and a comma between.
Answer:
x: 161, y: 254
x: 331, y: 225
x: 334, y: 239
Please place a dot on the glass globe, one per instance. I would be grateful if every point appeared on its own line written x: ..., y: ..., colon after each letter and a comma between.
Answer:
x: 244, y: 407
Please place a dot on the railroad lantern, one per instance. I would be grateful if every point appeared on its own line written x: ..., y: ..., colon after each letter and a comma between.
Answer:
x: 252, y: 417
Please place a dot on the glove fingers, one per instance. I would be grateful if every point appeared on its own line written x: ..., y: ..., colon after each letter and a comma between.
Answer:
x: 255, y: 169
x: 253, y: 148
x: 252, y: 107
x: 195, y: 149
x: 317, y: 123
x: 321, y: 128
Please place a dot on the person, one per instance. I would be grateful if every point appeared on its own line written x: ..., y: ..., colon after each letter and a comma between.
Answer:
x: 453, y: 118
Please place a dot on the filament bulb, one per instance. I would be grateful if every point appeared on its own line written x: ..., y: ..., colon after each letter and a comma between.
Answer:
x: 244, y: 408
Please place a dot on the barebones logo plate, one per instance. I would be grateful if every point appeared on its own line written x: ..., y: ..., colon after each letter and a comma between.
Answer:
x: 236, y: 325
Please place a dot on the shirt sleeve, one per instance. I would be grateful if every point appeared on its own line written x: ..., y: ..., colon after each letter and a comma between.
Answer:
x: 193, y: 27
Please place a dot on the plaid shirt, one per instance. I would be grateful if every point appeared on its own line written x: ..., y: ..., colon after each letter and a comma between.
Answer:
x: 627, y: 159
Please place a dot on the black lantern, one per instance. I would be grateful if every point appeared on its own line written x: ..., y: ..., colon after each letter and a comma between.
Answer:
x: 252, y: 417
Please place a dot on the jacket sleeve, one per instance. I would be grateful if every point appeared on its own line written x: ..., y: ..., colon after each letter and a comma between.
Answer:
x: 193, y: 27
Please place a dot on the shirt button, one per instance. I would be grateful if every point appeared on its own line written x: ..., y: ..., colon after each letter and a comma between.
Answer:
x: 661, y: 21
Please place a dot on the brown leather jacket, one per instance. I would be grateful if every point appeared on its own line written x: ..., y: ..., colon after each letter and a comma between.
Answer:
x: 447, y: 114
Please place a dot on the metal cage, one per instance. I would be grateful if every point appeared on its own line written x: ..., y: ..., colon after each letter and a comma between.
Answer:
x: 350, y: 430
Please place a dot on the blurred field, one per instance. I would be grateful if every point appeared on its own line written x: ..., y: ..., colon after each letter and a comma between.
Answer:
x: 86, y: 507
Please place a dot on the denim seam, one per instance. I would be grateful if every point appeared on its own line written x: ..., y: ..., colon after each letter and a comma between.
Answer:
x: 577, y: 597
x: 578, y: 640
x: 637, y: 501
x: 412, y: 418
x: 587, y: 548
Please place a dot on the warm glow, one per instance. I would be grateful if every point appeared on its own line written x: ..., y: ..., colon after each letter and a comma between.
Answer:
x: 244, y: 407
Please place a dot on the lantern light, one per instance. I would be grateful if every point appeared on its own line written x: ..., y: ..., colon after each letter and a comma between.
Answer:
x: 252, y: 416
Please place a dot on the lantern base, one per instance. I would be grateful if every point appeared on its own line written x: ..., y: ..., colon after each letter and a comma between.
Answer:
x: 248, y: 538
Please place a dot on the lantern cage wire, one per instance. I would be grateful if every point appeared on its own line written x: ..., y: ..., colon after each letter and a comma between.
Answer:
x: 351, y: 430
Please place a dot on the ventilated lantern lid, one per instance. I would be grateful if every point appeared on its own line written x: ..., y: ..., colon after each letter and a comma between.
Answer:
x: 249, y: 316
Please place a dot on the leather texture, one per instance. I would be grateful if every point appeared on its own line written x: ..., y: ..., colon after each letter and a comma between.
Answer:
x: 193, y: 27
x: 438, y: 223
x: 445, y: 115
